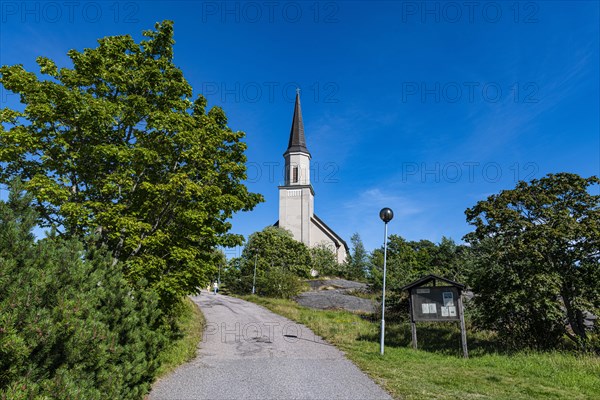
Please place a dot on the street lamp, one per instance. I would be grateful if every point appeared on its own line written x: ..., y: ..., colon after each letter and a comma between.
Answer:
x: 254, y: 279
x: 219, y: 276
x: 386, y: 215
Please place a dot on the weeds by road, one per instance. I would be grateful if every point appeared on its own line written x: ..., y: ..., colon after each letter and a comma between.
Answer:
x: 183, y: 349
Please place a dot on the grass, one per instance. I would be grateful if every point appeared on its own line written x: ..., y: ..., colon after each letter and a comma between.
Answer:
x: 183, y: 349
x: 437, y: 371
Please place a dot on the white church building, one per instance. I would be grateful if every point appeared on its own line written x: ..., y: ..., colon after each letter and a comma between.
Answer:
x: 297, y: 196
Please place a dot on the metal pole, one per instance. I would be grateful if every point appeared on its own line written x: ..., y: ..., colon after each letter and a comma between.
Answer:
x: 383, y: 292
x: 254, y: 280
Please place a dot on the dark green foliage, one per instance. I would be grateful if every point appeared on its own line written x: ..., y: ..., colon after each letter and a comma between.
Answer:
x: 280, y: 260
x: 535, y: 263
x: 325, y: 263
x: 278, y: 282
x: 409, y: 260
x: 232, y: 279
x: 277, y: 247
x: 70, y: 325
x: 116, y: 146
x: 450, y: 260
x: 403, y: 266
x: 357, y: 265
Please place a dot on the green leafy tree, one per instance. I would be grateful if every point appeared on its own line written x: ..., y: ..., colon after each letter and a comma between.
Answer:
x: 277, y: 247
x: 115, y: 145
x: 70, y: 324
x: 324, y: 261
x: 281, y: 262
x: 411, y: 260
x: 403, y: 264
x: 231, y: 277
x: 358, y: 261
x: 425, y: 252
x: 449, y: 260
x: 537, y: 250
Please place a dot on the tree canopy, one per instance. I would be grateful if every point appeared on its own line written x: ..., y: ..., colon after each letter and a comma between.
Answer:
x: 358, y: 260
x: 536, y: 270
x: 115, y: 146
x: 280, y: 263
x: 410, y: 260
x: 324, y: 262
x: 277, y: 247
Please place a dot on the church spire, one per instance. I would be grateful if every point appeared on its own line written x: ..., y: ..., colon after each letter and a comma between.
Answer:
x: 297, y: 141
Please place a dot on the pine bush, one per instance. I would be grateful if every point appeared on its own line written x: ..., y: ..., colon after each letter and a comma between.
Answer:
x: 71, y: 327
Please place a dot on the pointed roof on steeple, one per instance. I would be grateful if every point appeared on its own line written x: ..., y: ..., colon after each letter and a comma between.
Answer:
x: 297, y: 141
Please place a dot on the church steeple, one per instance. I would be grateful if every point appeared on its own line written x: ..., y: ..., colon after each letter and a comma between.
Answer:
x: 297, y: 157
x: 297, y: 197
x: 297, y: 141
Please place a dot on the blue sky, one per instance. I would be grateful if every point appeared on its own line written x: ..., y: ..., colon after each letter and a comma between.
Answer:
x: 422, y: 107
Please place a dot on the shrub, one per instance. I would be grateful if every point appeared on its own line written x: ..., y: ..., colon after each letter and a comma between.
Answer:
x: 324, y: 261
x: 280, y: 263
x: 71, y: 326
x: 278, y: 282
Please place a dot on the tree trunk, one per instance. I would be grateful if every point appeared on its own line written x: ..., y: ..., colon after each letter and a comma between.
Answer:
x: 574, y: 317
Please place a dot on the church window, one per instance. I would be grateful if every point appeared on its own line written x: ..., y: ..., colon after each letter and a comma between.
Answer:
x: 295, y: 175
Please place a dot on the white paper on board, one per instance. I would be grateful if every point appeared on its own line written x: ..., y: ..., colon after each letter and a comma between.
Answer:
x: 425, y: 308
x: 445, y: 311
x: 452, y: 311
x: 432, y: 308
x: 448, y: 299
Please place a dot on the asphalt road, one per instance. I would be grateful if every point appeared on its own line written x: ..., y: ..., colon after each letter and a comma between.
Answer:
x: 248, y: 352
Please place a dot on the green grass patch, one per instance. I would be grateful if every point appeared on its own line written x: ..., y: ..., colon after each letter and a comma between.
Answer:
x: 183, y: 348
x: 437, y: 371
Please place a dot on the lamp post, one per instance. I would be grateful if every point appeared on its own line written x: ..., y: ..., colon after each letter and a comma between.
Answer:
x: 386, y: 215
x: 254, y: 279
x: 219, y: 277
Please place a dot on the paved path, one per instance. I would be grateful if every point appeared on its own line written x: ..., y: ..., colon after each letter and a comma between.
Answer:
x: 249, y: 352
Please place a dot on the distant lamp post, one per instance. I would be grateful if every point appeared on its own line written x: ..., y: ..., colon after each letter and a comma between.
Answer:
x: 219, y: 276
x: 254, y: 279
x: 386, y: 215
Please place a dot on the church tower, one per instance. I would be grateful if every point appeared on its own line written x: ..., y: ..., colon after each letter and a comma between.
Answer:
x: 296, y: 195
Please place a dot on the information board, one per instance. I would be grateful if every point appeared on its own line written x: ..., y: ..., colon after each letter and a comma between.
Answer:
x: 435, y: 303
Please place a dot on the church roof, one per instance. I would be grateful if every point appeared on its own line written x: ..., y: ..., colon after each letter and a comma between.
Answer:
x: 297, y: 141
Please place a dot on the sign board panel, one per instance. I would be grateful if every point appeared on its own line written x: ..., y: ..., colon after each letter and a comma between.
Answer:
x: 435, y: 303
